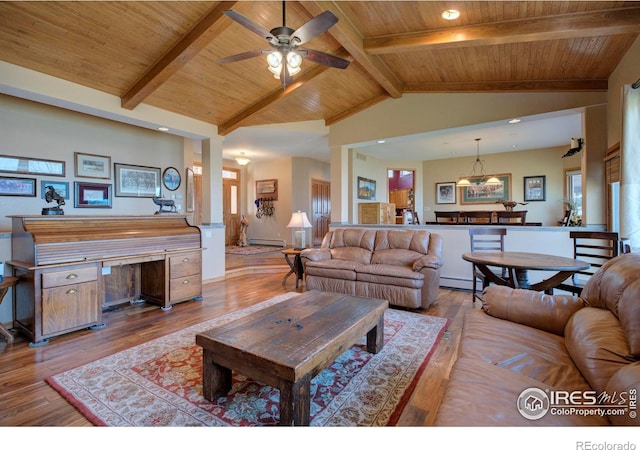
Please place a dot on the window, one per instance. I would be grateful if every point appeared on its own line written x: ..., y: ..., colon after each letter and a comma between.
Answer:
x: 574, y: 191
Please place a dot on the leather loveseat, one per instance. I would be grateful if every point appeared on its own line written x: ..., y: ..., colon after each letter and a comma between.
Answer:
x: 527, y: 358
x: 401, y: 266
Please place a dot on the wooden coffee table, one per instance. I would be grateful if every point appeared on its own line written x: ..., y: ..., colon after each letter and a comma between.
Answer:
x: 287, y: 344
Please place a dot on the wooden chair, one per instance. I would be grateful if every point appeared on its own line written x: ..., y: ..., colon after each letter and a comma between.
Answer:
x: 486, y: 239
x: 511, y: 217
x: 447, y: 216
x: 594, y: 247
x: 478, y: 216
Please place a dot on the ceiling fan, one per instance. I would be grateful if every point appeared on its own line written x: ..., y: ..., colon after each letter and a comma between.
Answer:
x: 285, y: 55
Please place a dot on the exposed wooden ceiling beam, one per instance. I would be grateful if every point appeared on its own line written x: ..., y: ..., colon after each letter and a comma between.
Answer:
x: 349, y: 37
x: 243, y: 116
x: 355, y: 109
x: 514, y: 86
x: 202, y: 33
x: 599, y: 23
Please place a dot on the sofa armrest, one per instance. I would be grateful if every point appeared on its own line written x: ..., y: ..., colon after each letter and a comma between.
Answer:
x: 535, y: 309
x: 428, y: 261
x: 315, y: 254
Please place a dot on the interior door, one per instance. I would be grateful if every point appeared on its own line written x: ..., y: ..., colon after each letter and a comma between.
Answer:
x: 321, y: 210
x: 231, y: 205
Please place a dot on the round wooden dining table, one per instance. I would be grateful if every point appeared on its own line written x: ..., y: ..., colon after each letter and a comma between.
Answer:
x: 518, y: 265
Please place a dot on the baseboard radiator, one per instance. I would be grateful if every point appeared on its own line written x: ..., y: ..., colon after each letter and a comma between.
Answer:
x: 273, y: 242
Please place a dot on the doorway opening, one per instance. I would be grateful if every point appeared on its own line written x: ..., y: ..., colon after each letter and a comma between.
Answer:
x: 401, y: 189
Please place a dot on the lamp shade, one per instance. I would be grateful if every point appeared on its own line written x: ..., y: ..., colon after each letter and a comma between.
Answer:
x: 299, y: 220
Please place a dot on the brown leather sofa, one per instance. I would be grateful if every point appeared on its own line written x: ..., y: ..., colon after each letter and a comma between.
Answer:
x: 527, y: 358
x: 401, y: 266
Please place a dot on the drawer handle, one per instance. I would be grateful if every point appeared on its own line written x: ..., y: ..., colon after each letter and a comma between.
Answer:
x: 185, y: 260
x: 185, y: 282
x: 72, y: 291
x: 71, y: 276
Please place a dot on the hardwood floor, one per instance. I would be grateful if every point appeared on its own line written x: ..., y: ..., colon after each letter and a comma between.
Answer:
x: 27, y: 400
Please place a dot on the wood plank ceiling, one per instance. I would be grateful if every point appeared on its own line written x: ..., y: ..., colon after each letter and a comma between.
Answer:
x: 165, y: 53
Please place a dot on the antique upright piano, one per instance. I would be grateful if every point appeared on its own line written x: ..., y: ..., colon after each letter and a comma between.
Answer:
x: 70, y: 268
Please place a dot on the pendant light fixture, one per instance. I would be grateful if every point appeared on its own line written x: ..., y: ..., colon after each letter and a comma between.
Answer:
x: 242, y: 160
x: 477, y: 171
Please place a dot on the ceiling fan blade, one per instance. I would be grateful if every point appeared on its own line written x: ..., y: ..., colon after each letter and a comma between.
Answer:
x: 250, y: 25
x: 318, y: 25
x: 242, y: 56
x: 325, y: 59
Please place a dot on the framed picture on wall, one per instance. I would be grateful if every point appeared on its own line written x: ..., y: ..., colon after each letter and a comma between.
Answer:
x: 482, y: 193
x: 21, y: 187
x: 32, y: 166
x: 534, y: 189
x: 137, y: 181
x: 171, y: 178
x: 61, y: 187
x: 191, y: 199
x: 446, y: 193
x: 92, y: 166
x: 92, y: 195
x: 366, y: 189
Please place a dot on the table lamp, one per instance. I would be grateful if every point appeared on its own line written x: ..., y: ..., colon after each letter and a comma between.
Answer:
x: 299, y: 221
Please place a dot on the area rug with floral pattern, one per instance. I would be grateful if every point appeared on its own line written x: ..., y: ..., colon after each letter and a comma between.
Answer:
x: 159, y: 383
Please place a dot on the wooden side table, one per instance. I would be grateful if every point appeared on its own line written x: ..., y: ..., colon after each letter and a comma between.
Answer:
x: 5, y: 284
x: 295, y: 265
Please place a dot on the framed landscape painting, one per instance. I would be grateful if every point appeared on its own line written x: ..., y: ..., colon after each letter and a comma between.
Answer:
x: 92, y: 195
x: 137, y: 181
x: 366, y: 189
x: 93, y: 166
x: 481, y: 193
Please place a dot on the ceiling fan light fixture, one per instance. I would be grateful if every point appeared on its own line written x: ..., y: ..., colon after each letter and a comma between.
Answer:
x: 294, y: 61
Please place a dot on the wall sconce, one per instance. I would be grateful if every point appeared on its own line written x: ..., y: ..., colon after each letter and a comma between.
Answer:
x: 299, y: 221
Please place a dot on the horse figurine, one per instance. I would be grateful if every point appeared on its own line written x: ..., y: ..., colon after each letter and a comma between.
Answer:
x: 162, y: 203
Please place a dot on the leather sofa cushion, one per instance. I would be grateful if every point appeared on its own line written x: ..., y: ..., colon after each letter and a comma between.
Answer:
x: 390, y: 275
x: 395, y: 256
x: 333, y: 268
x: 416, y: 240
x: 482, y: 394
x: 535, y: 309
x: 522, y: 350
x: 625, y: 380
x: 616, y: 287
x: 355, y: 254
x: 596, y: 342
x: 353, y: 237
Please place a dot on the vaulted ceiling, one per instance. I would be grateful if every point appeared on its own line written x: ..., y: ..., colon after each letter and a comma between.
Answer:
x: 165, y: 54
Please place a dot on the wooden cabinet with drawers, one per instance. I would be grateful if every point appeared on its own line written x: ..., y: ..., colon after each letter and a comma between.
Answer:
x: 70, y: 268
x: 376, y: 213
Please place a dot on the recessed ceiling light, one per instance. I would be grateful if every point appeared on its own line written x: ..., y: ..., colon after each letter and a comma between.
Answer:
x: 450, y: 14
x: 381, y: 141
x: 163, y: 128
x: 514, y: 121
